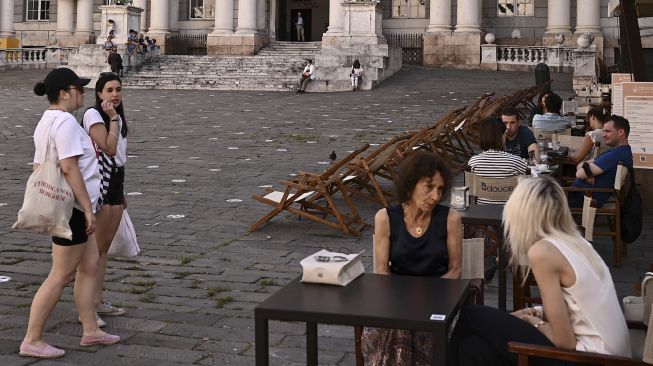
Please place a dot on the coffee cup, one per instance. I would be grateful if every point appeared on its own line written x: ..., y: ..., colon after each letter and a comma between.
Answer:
x: 543, y: 167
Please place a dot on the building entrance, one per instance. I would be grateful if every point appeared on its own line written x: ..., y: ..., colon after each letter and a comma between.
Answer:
x: 314, y: 13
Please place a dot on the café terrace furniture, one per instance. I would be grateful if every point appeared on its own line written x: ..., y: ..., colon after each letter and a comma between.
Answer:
x: 310, y: 196
x: 406, y: 302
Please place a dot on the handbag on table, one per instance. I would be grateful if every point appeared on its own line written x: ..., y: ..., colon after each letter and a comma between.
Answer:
x: 48, y: 203
x: 332, y: 268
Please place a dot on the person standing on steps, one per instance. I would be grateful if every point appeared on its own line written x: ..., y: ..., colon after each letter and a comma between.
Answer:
x: 299, y: 26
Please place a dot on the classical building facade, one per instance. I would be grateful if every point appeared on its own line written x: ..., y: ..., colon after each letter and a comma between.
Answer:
x: 452, y: 30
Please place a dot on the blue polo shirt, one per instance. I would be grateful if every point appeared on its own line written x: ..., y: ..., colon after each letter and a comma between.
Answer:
x: 608, y: 163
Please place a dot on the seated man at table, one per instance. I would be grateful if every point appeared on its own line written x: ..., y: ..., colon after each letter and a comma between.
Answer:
x: 551, y: 121
x: 418, y: 237
x: 601, y: 172
x: 493, y: 162
x: 520, y: 140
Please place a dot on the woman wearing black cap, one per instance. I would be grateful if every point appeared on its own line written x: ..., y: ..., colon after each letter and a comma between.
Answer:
x: 76, y: 258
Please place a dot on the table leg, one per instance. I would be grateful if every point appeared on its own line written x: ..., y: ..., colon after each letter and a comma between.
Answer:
x: 261, y: 338
x: 503, y: 265
x: 440, y: 349
x: 311, y: 344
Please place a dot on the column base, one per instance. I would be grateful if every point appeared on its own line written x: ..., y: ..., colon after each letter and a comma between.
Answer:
x: 593, y: 30
x: 453, y: 49
x: 9, y: 42
x: 234, y: 44
x: 438, y: 28
x: 467, y: 29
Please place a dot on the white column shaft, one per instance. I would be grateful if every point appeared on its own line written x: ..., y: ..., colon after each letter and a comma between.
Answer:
x: 246, y: 16
x: 468, y: 16
x: 224, y: 16
x: 7, y: 19
x: 84, y: 17
x: 336, y: 17
x: 260, y: 16
x: 173, y: 12
x: 65, y: 9
x: 559, y: 14
x: 588, y: 16
x: 160, y: 17
x: 440, y: 16
x: 143, y: 5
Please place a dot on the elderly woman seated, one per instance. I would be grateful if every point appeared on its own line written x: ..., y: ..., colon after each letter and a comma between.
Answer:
x: 419, y: 237
x: 494, y: 162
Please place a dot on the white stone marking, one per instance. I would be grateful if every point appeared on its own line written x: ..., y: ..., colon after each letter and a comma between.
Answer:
x: 176, y: 216
x: 311, y: 142
x: 162, y: 137
x: 134, y: 193
x: 266, y: 186
x: 5, y: 278
x: 152, y: 166
x: 213, y: 138
x: 173, y: 147
x: 324, y: 162
x: 3, y: 204
x: 234, y: 200
x: 132, y: 156
x: 193, y: 157
x: 215, y: 170
x: 239, y: 133
x: 232, y: 148
x: 178, y: 180
x: 18, y: 126
x: 282, y: 150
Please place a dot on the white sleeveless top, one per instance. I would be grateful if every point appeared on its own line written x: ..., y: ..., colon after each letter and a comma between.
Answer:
x: 594, y: 311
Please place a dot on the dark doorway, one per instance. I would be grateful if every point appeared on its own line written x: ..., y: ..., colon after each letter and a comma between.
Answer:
x: 648, y: 63
x: 282, y: 30
x: 308, y: 24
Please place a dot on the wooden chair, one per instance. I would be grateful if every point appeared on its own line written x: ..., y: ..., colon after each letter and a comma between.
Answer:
x: 611, y: 210
x: 473, y: 269
x: 313, y: 194
x: 524, y: 350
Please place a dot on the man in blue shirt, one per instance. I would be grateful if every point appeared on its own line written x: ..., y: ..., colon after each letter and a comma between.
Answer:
x: 519, y: 139
x: 601, y: 172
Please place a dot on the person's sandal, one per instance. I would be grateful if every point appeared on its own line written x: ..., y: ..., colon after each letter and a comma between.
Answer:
x: 106, y: 340
x: 107, y: 309
x: 47, y: 351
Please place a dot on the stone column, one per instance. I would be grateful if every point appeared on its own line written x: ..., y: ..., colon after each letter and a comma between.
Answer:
x: 173, y: 12
x: 143, y: 5
x: 261, y: 26
x: 246, y: 17
x: 588, y: 16
x: 160, y: 18
x: 65, y: 18
x: 468, y: 16
x: 559, y: 17
x: 336, y: 17
x: 84, y: 18
x: 224, y: 17
x: 7, y: 19
x: 440, y: 16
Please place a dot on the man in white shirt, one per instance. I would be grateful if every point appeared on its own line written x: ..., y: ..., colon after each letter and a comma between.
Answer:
x: 551, y: 121
x: 307, y: 75
x: 299, y: 25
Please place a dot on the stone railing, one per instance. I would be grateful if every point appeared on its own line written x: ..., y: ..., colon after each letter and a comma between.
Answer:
x: 33, y: 58
x: 503, y: 56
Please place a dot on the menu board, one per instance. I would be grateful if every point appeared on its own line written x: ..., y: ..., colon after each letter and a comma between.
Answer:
x: 617, y: 95
x: 638, y: 109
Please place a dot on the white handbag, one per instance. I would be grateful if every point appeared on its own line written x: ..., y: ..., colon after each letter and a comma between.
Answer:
x: 332, y: 268
x: 48, y: 203
x: 124, y: 243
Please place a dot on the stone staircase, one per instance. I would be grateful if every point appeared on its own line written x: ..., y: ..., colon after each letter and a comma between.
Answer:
x: 277, y: 67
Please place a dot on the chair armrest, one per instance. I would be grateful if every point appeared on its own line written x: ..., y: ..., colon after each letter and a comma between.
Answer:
x: 572, y: 356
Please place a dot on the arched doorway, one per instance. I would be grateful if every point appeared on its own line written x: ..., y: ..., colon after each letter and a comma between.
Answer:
x: 315, y: 14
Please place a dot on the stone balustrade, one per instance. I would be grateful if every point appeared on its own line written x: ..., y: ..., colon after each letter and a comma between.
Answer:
x: 508, y: 57
x: 33, y: 58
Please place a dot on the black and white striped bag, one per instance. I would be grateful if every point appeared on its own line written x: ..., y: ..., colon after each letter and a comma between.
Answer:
x: 107, y: 165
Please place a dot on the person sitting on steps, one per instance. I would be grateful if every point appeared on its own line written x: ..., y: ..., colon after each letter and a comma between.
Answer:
x: 307, y: 75
x: 356, y: 76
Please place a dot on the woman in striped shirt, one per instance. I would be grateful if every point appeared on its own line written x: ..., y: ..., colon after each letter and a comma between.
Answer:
x: 494, y: 162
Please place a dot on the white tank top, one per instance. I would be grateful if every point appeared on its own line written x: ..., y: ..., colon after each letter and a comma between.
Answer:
x: 594, y: 311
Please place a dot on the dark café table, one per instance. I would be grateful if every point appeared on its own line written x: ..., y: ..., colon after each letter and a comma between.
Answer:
x: 384, y: 301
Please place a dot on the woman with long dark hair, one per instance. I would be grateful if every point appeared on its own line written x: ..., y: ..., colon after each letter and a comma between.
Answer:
x: 107, y: 126
x: 76, y: 258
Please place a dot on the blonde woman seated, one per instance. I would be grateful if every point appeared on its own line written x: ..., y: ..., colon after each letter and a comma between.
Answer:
x: 580, y: 307
x: 419, y: 237
x: 595, y: 119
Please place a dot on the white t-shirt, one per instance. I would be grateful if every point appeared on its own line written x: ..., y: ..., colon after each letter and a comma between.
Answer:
x: 68, y: 139
x: 91, y: 117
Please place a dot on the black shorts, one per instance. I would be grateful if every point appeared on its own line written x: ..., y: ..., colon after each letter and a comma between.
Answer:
x: 116, y: 193
x: 78, y: 226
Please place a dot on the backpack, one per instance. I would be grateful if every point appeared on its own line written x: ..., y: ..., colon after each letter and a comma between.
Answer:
x: 631, y: 212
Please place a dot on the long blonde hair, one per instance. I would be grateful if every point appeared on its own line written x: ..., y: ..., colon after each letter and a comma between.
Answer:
x: 538, y: 209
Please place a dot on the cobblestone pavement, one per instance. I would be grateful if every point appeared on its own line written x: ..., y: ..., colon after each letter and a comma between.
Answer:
x: 195, y: 158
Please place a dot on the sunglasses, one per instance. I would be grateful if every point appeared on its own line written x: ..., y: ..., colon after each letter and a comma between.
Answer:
x: 326, y: 258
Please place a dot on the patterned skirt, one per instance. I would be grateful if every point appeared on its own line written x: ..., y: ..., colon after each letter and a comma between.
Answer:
x: 396, y: 347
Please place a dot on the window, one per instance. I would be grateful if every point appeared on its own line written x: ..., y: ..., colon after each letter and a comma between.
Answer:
x: 202, y: 9
x: 38, y: 9
x: 511, y: 8
x: 408, y: 8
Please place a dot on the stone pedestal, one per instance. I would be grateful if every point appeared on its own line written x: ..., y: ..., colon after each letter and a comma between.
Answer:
x: 489, y: 57
x: 361, y: 39
x: 585, y: 68
x: 9, y: 42
x: 234, y: 44
x: 453, y: 49
x: 125, y: 18
x: 88, y: 61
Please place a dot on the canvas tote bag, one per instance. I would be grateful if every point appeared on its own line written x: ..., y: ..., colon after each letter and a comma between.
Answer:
x: 49, y: 200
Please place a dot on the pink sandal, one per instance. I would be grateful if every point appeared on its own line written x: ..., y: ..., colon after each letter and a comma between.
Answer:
x: 46, y: 351
x: 106, y: 340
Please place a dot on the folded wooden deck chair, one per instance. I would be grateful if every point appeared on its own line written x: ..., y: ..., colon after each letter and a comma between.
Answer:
x: 363, y: 174
x: 310, y: 196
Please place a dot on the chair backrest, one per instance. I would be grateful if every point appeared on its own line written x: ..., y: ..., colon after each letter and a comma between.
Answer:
x: 620, y: 176
x: 494, y: 189
x: 648, y: 344
x: 588, y: 217
x: 473, y: 259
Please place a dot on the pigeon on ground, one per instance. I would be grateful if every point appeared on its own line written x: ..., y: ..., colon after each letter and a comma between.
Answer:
x: 332, y: 156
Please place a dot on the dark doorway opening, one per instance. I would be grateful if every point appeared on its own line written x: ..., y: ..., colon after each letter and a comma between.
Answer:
x: 308, y: 24
x: 286, y: 19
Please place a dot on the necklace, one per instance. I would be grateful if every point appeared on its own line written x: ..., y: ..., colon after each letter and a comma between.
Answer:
x: 418, y: 228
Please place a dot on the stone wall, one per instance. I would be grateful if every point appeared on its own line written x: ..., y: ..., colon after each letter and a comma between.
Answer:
x: 459, y: 50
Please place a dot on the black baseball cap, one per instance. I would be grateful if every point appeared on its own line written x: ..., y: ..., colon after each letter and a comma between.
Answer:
x: 62, y: 78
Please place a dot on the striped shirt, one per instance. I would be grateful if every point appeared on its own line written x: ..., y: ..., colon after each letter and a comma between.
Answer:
x: 496, y: 164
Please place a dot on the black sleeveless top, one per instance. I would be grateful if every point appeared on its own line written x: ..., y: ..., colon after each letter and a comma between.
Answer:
x: 423, y: 256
